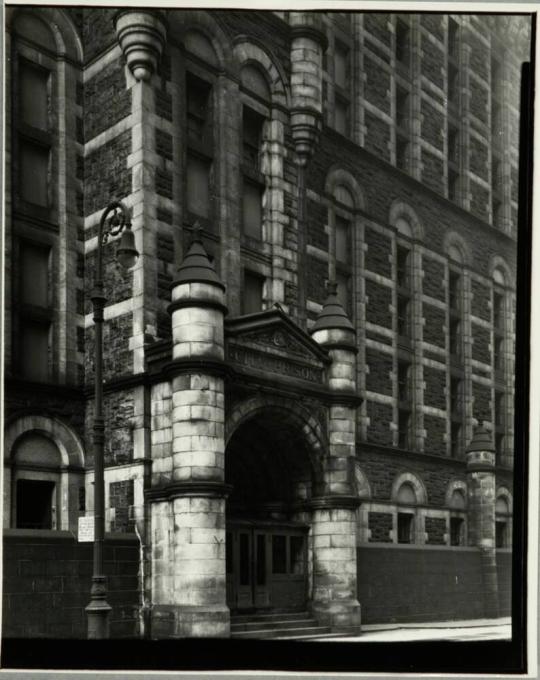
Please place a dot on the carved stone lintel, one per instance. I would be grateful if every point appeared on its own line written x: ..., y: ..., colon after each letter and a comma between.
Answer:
x: 141, y: 34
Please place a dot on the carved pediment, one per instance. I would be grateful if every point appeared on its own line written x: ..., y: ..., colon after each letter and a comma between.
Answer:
x: 270, y: 342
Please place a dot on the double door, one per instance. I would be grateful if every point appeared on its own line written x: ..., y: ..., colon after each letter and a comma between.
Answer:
x: 266, y: 566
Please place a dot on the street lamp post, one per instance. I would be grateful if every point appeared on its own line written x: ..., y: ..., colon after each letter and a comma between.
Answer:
x: 114, y: 220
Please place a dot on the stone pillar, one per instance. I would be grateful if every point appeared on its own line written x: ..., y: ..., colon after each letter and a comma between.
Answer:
x: 334, y: 504
x: 196, y: 598
x: 481, y: 512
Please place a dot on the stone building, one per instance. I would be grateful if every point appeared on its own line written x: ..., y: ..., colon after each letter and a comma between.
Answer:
x: 325, y: 207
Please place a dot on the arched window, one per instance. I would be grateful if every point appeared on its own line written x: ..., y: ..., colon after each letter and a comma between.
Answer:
x: 503, y: 519
x: 458, y: 505
x: 406, y: 496
x: 343, y: 229
x: 36, y: 483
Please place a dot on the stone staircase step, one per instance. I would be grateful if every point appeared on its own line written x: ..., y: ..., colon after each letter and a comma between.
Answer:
x: 282, y: 624
x: 273, y: 616
x: 290, y: 633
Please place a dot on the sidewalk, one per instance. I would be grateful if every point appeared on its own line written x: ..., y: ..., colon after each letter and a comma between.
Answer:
x: 476, y: 629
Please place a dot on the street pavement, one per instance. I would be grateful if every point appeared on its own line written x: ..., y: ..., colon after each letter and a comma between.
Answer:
x: 477, y: 629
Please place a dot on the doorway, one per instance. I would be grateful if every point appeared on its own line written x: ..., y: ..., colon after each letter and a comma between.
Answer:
x: 266, y: 565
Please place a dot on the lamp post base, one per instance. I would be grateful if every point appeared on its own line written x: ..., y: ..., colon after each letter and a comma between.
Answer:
x: 98, y: 610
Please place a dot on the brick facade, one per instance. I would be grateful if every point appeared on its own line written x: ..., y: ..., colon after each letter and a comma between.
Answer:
x: 131, y: 136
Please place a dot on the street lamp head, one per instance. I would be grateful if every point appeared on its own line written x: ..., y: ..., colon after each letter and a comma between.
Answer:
x: 127, y: 254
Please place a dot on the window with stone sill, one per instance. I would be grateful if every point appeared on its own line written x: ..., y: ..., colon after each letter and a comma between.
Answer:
x: 453, y: 38
x: 499, y: 409
x: 252, y: 293
x: 403, y: 42
x: 499, y: 447
x: 342, y: 209
x: 501, y: 533
x: 456, y: 440
x: 402, y: 153
x: 34, y: 140
x: 404, y: 429
x: 256, y: 101
x: 453, y: 185
x: 456, y: 396
x: 34, y: 292
x: 453, y: 84
x: 403, y: 266
x: 402, y: 108
x: 342, y: 89
x: 457, y: 531
x: 404, y: 381
x: 404, y: 316
x: 198, y: 110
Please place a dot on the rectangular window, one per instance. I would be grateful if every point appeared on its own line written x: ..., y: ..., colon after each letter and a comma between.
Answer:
x: 500, y: 534
x: 252, y: 130
x: 403, y: 267
x: 403, y: 316
x: 298, y: 558
x: 34, y: 173
x: 404, y: 527
x: 498, y: 311
x: 341, y: 116
x: 198, y: 186
x: 343, y: 245
x: 252, y: 209
x: 403, y: 49
x: 253, y: 293
x: 404, y: 429
x: 198, y: 105
x: 453, y: 144
x: 453, y: 32
x: 404, y: 369
x: 261, y: 559
x: 341, y: 66
x: 456, y: 396
x: 499, y: 447
x: 456, y: 443
x: 34, y: 350
x: 402, y: 108
x: 456, y: 530
x: 454, y: 291
x: 34, y: 97
x: 498, y: 354
x: 344, y: 291
x: 402, y: 153
x: 453, y: 83
x: 245, y: 559
x: 455, y: 337
x: 496, y: 127
x: 453, y: 185
x: 499, y: 409
x: 279, y: 554
x: 34, y: 272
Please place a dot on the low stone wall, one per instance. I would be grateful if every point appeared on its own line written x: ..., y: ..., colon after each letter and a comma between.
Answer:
x: 504, y: 574
x: 413, y: 584
x: 47, y: 579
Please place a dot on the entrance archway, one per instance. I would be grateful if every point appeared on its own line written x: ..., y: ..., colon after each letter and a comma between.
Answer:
x: 272, y: 461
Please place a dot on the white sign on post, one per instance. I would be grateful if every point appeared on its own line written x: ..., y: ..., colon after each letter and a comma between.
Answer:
x: 86, y: 529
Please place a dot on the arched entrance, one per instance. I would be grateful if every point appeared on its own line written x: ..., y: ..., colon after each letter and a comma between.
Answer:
x: 272, y: 467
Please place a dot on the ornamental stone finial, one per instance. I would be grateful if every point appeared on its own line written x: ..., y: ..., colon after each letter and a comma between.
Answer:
x: 141, y: 33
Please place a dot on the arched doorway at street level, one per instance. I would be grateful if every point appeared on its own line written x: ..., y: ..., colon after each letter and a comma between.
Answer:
x: 272, y: 463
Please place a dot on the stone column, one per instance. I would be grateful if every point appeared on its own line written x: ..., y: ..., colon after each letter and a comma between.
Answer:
x: 196, y: 600
x: 481, y: 512
x: 334, y: 504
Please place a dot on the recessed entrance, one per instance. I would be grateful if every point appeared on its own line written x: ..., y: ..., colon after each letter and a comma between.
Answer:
x: 268, y: 464
x: 34, y: 504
